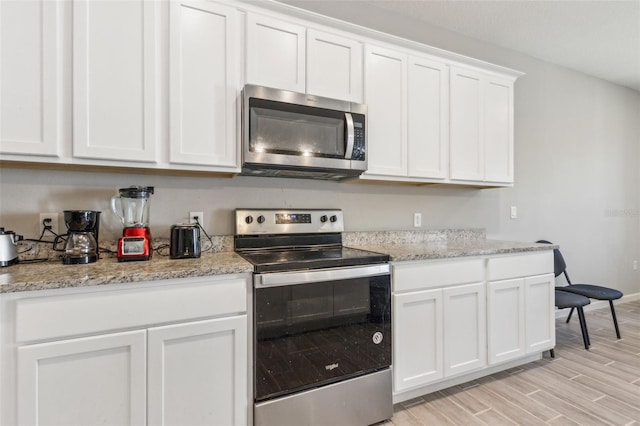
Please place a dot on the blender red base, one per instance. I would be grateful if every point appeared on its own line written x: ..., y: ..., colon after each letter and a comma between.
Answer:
x: 135, y: 244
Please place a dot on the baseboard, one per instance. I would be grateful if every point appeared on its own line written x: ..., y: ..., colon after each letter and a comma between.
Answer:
x: 597, y: 304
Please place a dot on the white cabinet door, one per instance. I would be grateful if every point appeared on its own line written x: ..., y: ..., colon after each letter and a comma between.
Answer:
x: 540, y: 313
x: 417, y: 339
x: 85, y: 381
x: 464, y: 328
x: 198, y: 373
x: 506, y: 320
x: 115, y: 73
x: 467, y: 125
x: 275, y: 53
x: 31, y: 77
x: 203, y: 87
x: 334, y: 66
x: 498, y: 138
x: 428, y: 120
x: 385, y: 96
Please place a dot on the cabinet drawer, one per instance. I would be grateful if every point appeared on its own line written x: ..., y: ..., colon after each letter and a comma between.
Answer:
x: 424, y: 275
x: 520, y: 265
x: 98, y: 311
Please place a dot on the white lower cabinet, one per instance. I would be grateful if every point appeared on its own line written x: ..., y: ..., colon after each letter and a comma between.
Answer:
x: 505, y: 305
x: 439, y: 327
x: 520, y: 305
x: 417, y: 361
x: 197, y: 372
x: 540, y: 332
x: 181, y: 357
x: 85, y: 381
x: 453, y: 319
x: 464, y: 328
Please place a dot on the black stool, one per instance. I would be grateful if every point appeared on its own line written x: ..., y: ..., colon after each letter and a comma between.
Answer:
x: 565, y: 300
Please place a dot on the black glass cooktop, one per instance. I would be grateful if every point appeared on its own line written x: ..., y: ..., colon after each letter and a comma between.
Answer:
x: 292, y: 259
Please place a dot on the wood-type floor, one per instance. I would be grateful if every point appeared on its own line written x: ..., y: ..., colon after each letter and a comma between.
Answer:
x: 577, y: 387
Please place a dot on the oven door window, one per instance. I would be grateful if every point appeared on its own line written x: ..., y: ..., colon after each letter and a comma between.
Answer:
x: 281, y: 128
x: 319, y: 333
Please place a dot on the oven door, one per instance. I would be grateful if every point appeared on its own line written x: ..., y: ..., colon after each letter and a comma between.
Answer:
x: 319, y: 327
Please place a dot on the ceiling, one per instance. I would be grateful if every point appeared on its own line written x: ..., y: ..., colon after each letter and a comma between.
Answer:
x: 597, y: 37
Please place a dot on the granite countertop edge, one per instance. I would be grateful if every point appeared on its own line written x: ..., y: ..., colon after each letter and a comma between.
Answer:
x: 24, y: 277
x: 450, y: 250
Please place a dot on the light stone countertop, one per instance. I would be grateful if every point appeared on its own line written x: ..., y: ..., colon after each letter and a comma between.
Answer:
x: 53, y: 274
x: 399, y: 245
x: 450, y: 249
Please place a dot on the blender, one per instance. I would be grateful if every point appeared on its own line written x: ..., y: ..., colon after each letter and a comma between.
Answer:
x: 132, y: 207
x: 81, y: 239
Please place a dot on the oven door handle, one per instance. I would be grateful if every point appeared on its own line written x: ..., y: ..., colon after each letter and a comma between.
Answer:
x: 333, y: 274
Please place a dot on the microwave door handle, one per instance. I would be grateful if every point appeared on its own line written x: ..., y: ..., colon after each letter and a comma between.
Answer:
x: 348, y: 152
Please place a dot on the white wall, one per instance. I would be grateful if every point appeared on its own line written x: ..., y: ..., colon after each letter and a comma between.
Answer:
x: 577, y: 174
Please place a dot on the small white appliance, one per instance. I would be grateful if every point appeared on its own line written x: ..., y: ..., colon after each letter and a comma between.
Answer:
x: 8, y: 247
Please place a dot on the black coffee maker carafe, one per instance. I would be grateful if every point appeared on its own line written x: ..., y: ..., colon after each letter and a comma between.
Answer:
x: 81, y: 239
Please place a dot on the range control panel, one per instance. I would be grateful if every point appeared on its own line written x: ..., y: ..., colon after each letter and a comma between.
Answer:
x: 289, y: 221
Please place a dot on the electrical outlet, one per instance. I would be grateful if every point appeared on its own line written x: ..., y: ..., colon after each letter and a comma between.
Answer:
x: 417, y: 220
x: 199, y: 215
x: 52, y: 221
x: 635, y: 265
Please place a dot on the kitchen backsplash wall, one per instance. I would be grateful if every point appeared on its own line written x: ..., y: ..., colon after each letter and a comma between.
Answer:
x: 366, y: 206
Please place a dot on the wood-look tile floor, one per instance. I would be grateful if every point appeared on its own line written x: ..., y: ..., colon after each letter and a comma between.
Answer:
x: 600, y: 386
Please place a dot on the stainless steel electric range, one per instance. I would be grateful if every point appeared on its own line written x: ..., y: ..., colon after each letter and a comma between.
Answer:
x: 322, y: 320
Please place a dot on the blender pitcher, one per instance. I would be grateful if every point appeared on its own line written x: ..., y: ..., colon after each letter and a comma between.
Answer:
x: 132, y: 206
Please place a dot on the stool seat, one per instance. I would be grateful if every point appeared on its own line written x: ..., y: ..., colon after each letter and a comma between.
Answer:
x: 593, y: 291
x: 565, y: 299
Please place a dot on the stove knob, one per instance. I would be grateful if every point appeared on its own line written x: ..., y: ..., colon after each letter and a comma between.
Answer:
x: 248, y: 219
x: 323, y: 218
x: 334, y: 218
x: 261, y: 219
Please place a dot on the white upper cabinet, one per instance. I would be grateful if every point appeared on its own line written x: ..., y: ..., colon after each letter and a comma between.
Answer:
x: 481, y: 127
x: 408, y: 100
x: 203, y: 84
x: 155, y: 85
x: 498, y: 139
x: 287, y: 56
x: 31, y: 77
x: 334, y: 66
x: 115, y: 79
x: 385, y: 96
x: 428, y: 118
x: 467, y: 153
x: 275, y: 54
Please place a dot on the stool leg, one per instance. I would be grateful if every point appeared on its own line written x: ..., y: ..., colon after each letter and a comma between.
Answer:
x: 615, y: 320
x: 569, y: 317
x: 583, y: 327
x: 552, y: 353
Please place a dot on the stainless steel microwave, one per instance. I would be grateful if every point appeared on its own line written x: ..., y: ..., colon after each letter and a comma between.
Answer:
x: 290, y: 134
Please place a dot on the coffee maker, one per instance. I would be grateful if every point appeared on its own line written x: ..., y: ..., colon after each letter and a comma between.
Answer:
x: 81, y: 239
x: 132, y: 207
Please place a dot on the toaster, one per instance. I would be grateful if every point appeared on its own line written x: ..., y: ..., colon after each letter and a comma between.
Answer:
x: 185, y: 241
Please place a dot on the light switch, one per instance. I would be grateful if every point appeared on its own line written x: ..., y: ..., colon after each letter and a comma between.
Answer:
x: 514, y: 212
x: 417, y: 220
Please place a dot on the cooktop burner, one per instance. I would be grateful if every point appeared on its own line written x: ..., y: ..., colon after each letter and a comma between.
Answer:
x: 289, y: 240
